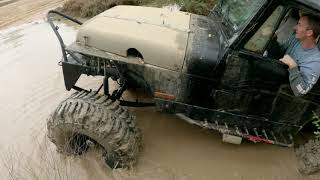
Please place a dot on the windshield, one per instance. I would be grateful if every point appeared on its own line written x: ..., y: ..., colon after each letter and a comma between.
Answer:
x: 239, y: 12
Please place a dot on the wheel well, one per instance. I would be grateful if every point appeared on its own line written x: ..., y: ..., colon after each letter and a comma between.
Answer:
x: 132, y: 52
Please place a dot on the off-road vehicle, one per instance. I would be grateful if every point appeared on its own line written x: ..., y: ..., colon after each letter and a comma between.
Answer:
x: 220, y: 72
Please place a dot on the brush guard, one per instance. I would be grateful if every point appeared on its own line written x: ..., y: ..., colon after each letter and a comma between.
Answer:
x: 55, y: 29
x: 73, y: 66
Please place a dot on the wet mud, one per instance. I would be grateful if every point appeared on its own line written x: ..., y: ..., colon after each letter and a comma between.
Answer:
x: 13, y: 12
x: 6, y: 2
x: 32, y: 86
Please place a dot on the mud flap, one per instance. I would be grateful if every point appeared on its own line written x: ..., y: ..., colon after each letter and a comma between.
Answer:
x: 71, y: 74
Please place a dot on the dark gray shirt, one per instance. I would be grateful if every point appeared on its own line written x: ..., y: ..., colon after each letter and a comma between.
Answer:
x: 303, y: 77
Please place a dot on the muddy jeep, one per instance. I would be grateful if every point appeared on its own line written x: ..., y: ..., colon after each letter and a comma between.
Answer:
x: 219, y: 72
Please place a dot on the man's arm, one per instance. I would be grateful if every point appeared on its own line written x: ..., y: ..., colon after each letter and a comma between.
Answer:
x: 300, y: 85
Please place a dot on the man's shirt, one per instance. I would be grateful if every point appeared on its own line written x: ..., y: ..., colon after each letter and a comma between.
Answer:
x: 303, y: 77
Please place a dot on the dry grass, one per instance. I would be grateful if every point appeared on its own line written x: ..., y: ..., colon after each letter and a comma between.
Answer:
x: 316, y: 123
x: 201, y: 7
x: 86, y: 9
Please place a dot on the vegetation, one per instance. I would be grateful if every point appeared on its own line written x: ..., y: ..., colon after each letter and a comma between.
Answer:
x: 202, y: 7
x: 86, y: 9
x: 316, y: 122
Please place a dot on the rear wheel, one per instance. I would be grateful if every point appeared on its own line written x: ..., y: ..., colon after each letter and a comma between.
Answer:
x: 308, y: 156
x: 86, y: 118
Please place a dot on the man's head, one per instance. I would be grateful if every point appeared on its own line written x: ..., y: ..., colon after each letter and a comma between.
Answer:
x: 308, y: 27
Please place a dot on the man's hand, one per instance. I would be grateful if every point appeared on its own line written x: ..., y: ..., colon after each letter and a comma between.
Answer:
x: 289, y: 61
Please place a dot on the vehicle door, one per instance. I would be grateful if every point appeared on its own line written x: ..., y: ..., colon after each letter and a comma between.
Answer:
x: 264, y: 89
x: 252, y: 78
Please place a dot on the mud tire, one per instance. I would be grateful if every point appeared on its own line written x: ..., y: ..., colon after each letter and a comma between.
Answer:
x: 308, y: 156
x: 95, y: 118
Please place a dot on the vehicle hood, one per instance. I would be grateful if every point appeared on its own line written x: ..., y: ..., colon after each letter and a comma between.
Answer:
x: 159, y: 35
x: 149, y: 15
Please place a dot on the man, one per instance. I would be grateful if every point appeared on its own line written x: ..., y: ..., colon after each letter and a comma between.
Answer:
x: 303, y: 56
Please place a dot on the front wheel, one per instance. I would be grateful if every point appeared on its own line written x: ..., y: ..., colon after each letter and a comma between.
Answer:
x: 86, y: 117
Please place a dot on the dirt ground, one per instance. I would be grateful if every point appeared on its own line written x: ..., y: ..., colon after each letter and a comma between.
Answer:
x: 32, y: 86
x: 15, y: 11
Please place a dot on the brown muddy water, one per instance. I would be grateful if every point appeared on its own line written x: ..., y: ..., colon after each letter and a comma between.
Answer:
x: 32, y: 86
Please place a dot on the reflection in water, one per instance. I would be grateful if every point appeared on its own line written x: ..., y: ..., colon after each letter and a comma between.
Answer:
x: 12, y: 38
x: 18, y: 43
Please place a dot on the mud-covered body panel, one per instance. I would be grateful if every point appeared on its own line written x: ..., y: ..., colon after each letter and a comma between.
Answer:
x: 195, y: 80
x: 205, y: 47
x: 204, y: 55
x: 199, y: 75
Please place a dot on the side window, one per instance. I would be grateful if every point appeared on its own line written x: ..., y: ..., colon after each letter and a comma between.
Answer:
x: 286, y: 28
x: 260, y: 39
